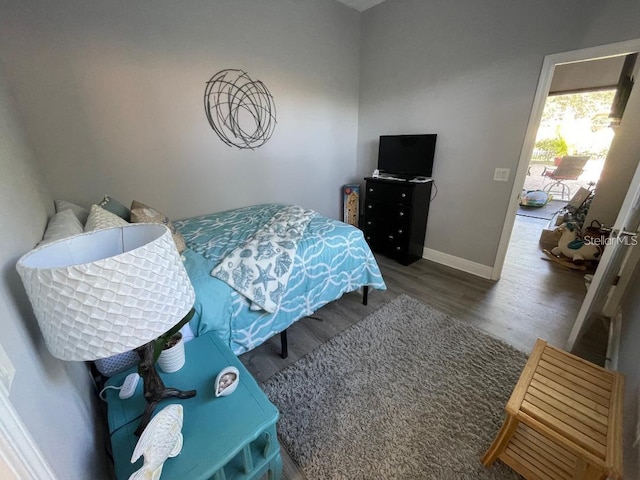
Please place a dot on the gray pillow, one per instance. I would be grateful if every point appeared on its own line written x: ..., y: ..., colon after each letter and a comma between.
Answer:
x: 62, y: 225
x: 80, y: 212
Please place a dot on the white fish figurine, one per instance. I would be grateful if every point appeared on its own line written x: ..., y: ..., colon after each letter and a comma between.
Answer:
x: 161, y: 439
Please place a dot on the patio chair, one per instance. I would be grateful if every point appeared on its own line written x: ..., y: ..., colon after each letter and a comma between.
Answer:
x: 569, y: 168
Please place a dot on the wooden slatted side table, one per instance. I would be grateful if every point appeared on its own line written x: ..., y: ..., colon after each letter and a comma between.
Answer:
x: 564, y: 420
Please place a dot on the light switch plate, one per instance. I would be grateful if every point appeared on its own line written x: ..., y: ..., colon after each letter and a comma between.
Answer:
x: 7, y: 371
x: 501, y: 174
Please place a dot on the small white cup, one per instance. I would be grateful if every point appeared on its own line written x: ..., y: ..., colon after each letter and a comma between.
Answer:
x: 172, y: 359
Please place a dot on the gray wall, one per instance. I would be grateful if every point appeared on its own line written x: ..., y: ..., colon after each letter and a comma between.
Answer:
x: 53, y: 398
x: 112, y: 95
x: 468, y: 71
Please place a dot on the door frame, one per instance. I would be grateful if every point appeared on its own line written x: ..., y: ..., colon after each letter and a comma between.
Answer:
x: 542, y: 92
x: 20, y: 456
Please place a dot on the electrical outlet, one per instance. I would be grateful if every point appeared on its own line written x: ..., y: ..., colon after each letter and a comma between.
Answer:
x: 7, y: 371
x: 501, y: 174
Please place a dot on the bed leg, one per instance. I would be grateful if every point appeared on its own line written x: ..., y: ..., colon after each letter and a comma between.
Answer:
x: 365, y: 294
x: 284, y: 352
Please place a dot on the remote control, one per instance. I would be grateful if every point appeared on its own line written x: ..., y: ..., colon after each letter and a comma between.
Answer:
x: 129, y: 386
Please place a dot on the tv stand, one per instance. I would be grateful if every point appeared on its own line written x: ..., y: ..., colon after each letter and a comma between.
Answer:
x: 395, y: 217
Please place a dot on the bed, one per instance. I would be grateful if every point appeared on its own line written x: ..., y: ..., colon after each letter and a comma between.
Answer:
x: 303, y: 261
x: 329, y: 259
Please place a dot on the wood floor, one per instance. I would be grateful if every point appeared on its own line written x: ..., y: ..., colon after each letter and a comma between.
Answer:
x: 534, y: 298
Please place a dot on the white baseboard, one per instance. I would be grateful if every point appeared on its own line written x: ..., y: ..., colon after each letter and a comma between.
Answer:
x: 458, y: 263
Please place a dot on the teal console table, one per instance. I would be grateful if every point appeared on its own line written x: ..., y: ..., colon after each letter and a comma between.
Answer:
x: 225, y: 438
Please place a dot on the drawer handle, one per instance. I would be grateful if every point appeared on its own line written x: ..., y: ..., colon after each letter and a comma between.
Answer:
x: 368, y: 238
x: 403, y: 195
x: 369, y: 206
x: 397, y: 248
x: 369, y: 222
x: 400, y: 231
x: 371, y: 189
x: 391, y: 237
x: 402, y: 214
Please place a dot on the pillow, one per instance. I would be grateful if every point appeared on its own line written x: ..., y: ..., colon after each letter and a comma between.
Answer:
x: 99, y: 218
x: 80, y: 212
x: 62, y: 225
x: 117, y: 363
x: 115, y: 207
x: 141, y: 213
x: 112, y: 365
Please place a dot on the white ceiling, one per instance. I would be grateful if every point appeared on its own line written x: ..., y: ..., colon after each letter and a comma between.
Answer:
x: 361, y: 5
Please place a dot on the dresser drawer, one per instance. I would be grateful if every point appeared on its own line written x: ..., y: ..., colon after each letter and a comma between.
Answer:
x: 391, y: 213
x: 387, y: 245
x: 378, y: 227
x: 389, y: 192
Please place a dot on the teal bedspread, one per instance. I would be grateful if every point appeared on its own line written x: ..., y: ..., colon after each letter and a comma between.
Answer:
x: 332, y: 258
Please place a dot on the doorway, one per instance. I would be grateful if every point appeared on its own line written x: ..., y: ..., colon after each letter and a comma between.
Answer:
x: 572, y: 142
x: 572, y: 124
x: 573, y: 138
x: 552, y: 63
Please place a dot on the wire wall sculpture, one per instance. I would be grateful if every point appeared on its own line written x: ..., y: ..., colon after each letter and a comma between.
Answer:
x: 240, y: 110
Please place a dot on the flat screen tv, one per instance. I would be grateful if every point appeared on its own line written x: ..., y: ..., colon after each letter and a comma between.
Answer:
x: 407, y: 156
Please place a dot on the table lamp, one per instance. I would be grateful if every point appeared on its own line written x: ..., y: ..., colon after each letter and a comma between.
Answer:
x: 105, y: 292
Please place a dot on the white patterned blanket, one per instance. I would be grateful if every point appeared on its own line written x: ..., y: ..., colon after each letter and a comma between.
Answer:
x: 260, y: 268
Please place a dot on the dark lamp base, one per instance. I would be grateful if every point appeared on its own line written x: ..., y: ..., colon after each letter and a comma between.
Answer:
x: 154, y: 388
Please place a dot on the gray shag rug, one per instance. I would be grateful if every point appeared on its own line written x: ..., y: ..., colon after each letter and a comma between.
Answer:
x: 406, y: 393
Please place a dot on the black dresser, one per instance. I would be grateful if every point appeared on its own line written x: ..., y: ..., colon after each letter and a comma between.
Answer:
x: 395, y: 217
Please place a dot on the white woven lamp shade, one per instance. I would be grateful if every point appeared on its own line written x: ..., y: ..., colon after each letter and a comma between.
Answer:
x: 106, y: 292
